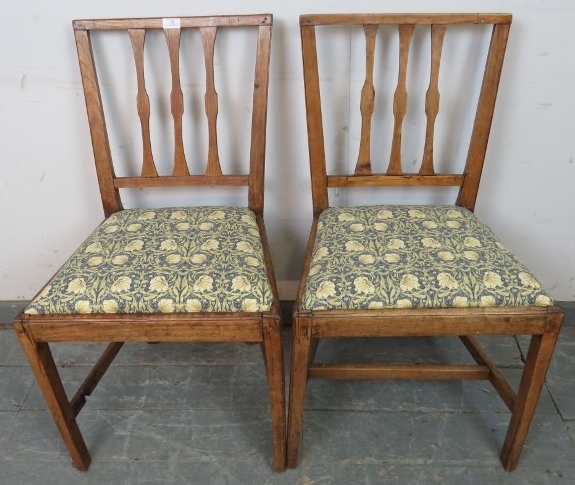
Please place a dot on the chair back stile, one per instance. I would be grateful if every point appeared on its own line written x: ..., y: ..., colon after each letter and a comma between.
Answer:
x: 180, y: 176
x: 363, y: 175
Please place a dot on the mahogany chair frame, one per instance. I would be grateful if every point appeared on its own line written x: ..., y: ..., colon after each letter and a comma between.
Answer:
x: 542, y: 323
x: 37, y: 331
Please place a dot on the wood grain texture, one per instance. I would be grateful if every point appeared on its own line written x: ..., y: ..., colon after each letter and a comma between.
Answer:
x: 357, y: 325
x: 182, y: 181
x: 177, y: 102
x: 398, y: 371
x: 216, y: 327
x: 432, y: 98
x: 405, y: 18
x: 37, y: 331
x: 483, y: 118
x: 259, y: 120
x: 300, y: 360
x: 273, y: 356
x: 44, y: 368
x: 79, y: 400
x: 185, y: 22
x: 314, y: 121
x: 400, y: 98
x: 496, y: 378
x: 213, y: 167
x: 363, y: 165
x: 542, y: 323
x: 536, y: 364
x: 100, y: 145
x: 137, y: 37
x: 381, y: 180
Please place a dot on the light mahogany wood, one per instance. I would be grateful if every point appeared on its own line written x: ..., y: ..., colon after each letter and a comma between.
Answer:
x: 273, y: 358
x: 137, y: 37
x: 396, y: 371
x: 177, y: 102
x: 390, y: 180
x: 211, y: 100
x: 79, y: 400
x: 405, y: 18
x: 300, y: 361
x: 536, y: 365
x: 37, y: 332
x: 483, y: 118
x: 181, y: 181
x: 363, y: 166
x: 185, y: 22
x: 400, y: 98
x: 542, y: 323
x: 100, y: 145
x: 237, y: 327
x: 432, y: 98
x: 496, y: 377
x: 314, y: 120
x: 48, y: 378
x: 259, y: 119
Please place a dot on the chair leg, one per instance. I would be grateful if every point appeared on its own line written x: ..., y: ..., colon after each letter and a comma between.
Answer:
x: 536, y: 365
x: 93, y: 378
x: 274, y: 364
x: 46, y: 373
x: 301, y: 352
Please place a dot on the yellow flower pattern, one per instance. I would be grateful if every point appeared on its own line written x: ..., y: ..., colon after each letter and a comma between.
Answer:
x: 198, y: 259
x: 421, y: 256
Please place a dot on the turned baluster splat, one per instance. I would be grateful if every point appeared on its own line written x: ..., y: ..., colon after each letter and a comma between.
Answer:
x: 137, y: 37
x: 400, y: 98
x: 432, y: 98
x: 211, y: 100
x: 177, y: 100
x: 138, y: 30
x: 363, y: 166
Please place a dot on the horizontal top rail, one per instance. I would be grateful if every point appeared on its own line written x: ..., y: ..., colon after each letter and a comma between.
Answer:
x: 184, y: 22
x: 405, y: 18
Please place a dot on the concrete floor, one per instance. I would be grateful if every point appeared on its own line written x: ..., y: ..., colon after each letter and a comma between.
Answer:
x: 198, y: 414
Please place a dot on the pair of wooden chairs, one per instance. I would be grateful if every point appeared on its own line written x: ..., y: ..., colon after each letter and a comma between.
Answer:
x: 205, y: 273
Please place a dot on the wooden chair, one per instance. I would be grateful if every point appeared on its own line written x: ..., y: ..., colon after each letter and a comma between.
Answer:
x: 402, y: 270
x: 167, y: 274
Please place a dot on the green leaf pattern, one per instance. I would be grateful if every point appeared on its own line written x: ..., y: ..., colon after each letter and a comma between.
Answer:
x: 374, y: 257
x: 199, y: 259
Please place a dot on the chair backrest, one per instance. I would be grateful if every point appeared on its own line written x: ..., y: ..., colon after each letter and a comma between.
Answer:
x: 363, y: 175
x: 173, y: 28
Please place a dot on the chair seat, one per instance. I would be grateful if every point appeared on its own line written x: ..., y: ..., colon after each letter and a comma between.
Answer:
x: 198, y: 259
x: 413, y: 256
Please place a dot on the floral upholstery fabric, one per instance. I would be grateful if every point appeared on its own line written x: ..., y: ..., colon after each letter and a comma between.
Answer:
x: 413, y: 256
x: 199, y: 259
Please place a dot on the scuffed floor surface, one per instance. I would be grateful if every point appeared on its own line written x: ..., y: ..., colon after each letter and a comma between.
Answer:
x: 198, y: 414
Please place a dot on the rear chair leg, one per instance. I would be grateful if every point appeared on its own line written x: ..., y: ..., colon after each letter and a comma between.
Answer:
x: 301, y: 356
x: 46, y: 373
x: 536, y: 364
x: 273, y: 358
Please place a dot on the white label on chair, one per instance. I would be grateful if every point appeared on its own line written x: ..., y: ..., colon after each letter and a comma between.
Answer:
x: 172, y: 23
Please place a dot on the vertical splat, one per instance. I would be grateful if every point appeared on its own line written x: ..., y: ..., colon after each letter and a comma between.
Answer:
x: 400, y: 98
x: 211, y: 100
x: 432, y: 98
x: 176, y: 100
x: 137, y: 37
x: 363, y: 166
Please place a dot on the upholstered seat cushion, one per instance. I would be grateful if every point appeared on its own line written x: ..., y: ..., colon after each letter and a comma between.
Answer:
x: 413, y: 256
x: 200, y: 259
